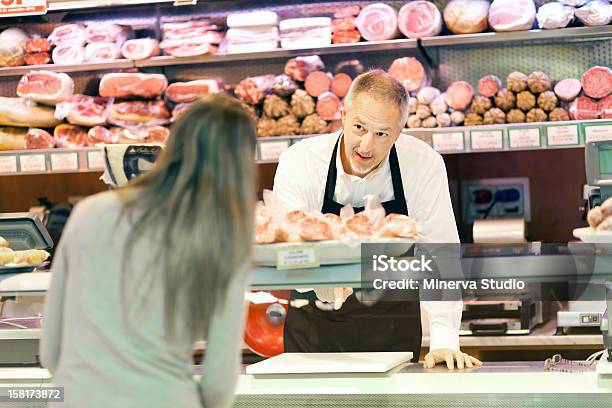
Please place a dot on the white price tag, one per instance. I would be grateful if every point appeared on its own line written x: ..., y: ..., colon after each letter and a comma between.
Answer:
x: 562, y: 135
x: 32, y: 163
x: 595, y: 133
x: 487, y: 139
x: 524, y: 137
x: 64, y: 161
x: 8, y: 164
x: 13, y: 8
x: 302, y: 256
x: 95, y: 160
x: 272, y: 150
x: 444, y: 142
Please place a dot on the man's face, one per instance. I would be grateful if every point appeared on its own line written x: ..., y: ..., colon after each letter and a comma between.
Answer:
x: 371, y: 127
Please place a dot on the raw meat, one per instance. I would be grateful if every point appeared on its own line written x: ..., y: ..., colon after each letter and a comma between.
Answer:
x: 38, y: 139
x: 397, y: 226
x: 12, y: 47
x: 328, y: 106
x: 139, y: 113
x: 183, y: 92
x: 512, y: 15
x: 568, y: 89
x: 69, y: 34
x: 360, y: 224
x: 140, y: 48
x: 341, y: 84
x: 308, y: 32
x: 68, y: 54
x: 98, y: 52
x: 595, y: 13
x: 252, y: 90
x: 346, y: 37
x: 312, y: 229
x: 467, y: 16
x: 84, y: 110
x: 554, y: 15
x: 410, y: 72
x: 70, y: 136
x: 100, y: 134
x: 126, y: 85
x: 24, y: 113
x: 108, y: 33
x: 489, y: 86
x: 584, y: 108
x: 605, y: 107
x: 377, y: 22
x: 12, y: 139
x: 317, y: 83
x: 299, y: 68
x: 45, y: 87
x: 418, y: 19
x: 38, y: 58
x: 459, y: 95
x: 597, y: 82
x: 187, y: 29
x: 34, y: 45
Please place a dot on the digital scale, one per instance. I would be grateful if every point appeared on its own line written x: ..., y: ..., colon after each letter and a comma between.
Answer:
x: 598, y: 163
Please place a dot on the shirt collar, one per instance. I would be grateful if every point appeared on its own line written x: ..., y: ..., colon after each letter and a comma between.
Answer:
x: 382, y: 167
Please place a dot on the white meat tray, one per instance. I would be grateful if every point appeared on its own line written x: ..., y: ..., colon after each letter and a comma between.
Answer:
x: 331, y: 252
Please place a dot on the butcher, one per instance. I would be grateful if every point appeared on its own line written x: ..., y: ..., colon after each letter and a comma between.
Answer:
x: 370, y: 156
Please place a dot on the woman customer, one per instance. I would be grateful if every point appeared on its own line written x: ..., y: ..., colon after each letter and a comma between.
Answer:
x: 144, y: 271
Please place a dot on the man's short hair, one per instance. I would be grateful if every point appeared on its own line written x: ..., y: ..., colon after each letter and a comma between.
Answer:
x: 379, y: 84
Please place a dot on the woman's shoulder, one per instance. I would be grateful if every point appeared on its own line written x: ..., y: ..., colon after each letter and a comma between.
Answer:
x: 95, y: 206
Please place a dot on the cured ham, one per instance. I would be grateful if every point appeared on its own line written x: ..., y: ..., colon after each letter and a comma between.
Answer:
x: 45, y: 87
x: 418, y: 19
x: 410, y: 72
x: 84, y: 110
x: 38, y: 139
x: 184, y: 92
x: 70, y: 136
x: 100, y: 134
x: 141, y: 48
x: 377, y: 22
x: 127, y: 85
x: 139, y: 113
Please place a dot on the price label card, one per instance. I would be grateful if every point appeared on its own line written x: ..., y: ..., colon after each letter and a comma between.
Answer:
x: 562, y: 135
x: 272, y: 150
x: 451, y: 141
x: 597, y: 132
x: 65, y: 161
x: 32, y: 163
x: 529, y: 137
x: 297, y: 257
x: 95, y: 160
x: 8, y: 164
x: 13, y: 8
x: 487, y: 139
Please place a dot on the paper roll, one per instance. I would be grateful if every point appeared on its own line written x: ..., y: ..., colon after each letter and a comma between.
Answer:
x: 506, y: 231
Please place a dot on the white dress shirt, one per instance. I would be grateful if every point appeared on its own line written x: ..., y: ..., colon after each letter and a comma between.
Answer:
x: 300, y: 184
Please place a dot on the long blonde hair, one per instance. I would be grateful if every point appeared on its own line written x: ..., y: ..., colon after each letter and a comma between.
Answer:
x: 199, y: 198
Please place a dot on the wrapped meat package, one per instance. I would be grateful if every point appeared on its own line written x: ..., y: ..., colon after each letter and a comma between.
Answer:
x: 100, y: 134
x: 45, y: 87
x: 283, y: 85
x: 139, y: 113
x: 512, y: 15
x: 128, y: 85
x: 100, y: 52
x: 68, y: 54
x: 554, y: 15
x: 108, y: 33
x: 84, y: 110
x: 595, y: 13
x: 69, y: 34
x: 377, y: 22
x: 467, y: 16
x: 38, y: 139
x: 252, y: 90
x: 419, y: 19
x: 70, y: 136
x: 299, y: 68
x: 140, y: 48
x: 12, y: 47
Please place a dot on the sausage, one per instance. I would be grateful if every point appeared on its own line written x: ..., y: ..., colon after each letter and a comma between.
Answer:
x: 340, y: 84
x: 317, y: 83
x: 489, y: 86
x: 568, y: 89
x: 605, y: 107
x: 346, y: 37
x: 328, y: 106
x: 584, y: 108
x: 597, y: 82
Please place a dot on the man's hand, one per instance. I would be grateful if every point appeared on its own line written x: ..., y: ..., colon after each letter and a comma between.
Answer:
x: 335, y: 296
x: 450, y: 357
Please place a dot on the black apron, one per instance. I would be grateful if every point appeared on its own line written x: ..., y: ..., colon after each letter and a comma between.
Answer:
x: 384, y: 326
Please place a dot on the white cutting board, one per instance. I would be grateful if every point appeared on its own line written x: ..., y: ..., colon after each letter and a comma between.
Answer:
x: 305, y: 363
